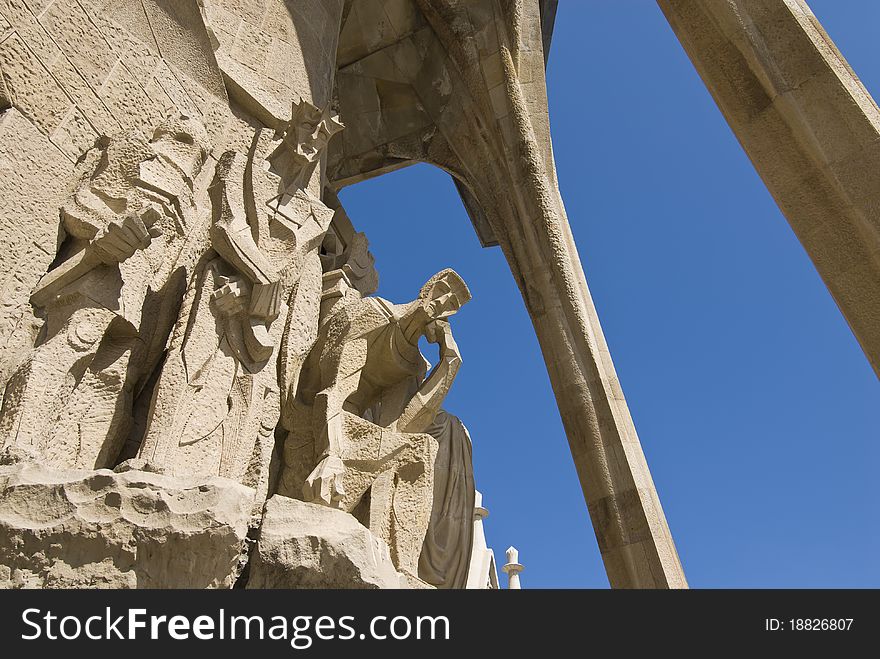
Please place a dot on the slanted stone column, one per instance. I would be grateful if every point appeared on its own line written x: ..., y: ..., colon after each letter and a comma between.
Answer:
x: 809, y: 127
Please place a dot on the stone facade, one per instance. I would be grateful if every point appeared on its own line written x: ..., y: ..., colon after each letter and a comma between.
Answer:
x: 178, y: 287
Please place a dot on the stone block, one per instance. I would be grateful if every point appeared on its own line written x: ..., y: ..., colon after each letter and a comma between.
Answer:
x: 136, y: 529
x: 306, y: 545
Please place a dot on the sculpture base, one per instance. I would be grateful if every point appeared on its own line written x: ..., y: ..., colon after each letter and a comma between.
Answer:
x: 304, y: 545
x: 135, y: 529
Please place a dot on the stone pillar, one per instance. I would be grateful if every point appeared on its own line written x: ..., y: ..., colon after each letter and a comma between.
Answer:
x: 811, y: 130
x: 533, y: 230
x: 512, y: 569
x: 481, y: 573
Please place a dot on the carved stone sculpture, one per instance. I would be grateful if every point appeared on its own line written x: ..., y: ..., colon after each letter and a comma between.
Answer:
x: 182, y: 293
x: 446, y: 552
x: 358, y: 437
x: 347, y: 250
x: 182, y: 296
x: 69, y: 402
x: 252, y: 301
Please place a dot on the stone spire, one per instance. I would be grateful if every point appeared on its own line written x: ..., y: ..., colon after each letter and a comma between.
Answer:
x: 513, y: 567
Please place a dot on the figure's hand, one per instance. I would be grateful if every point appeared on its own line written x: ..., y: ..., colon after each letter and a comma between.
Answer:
x: 266, y: 300
x: 231, y: 295
x: 440, y: 332
x: 122, y: 237
x: 324, y: 484
x: 434, y: 331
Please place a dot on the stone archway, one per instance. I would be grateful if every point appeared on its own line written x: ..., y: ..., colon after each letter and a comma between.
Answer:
x: 461, y: 86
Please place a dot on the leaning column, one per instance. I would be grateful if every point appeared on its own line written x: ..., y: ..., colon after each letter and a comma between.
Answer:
x: 631, y: 528
x: 811, y: 130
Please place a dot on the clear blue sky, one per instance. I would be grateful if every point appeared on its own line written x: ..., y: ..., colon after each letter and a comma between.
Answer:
x: 756, y: 408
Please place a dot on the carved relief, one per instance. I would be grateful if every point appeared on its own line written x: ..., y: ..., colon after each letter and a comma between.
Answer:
x: 201, y: 301
x: 218, y: 397
x: 120, y: 232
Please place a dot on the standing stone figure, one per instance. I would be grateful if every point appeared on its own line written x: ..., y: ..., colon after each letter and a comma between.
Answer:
x: 358, y: 439
x: 69, y: 402
x: 251, y: 312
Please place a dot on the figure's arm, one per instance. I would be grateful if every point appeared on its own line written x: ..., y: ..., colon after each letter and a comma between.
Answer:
x: 341, y: 370
x: 112, y: 237
x: 110, y: 241
x: 79, y: 221
x: 426, y: 403
x: 84, y: 215
x: 311, y: 234
x: 233, y: 240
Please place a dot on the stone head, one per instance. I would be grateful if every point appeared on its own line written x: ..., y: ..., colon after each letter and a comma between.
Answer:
x: 309, y: 131
x: 183, y: 141
x: 444, y: 294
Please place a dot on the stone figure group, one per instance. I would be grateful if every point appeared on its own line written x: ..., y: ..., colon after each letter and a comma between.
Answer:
x: 119, y: 235
x: 207, y: 315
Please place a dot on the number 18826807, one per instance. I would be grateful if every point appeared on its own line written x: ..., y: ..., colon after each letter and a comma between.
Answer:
x: 820, y: 624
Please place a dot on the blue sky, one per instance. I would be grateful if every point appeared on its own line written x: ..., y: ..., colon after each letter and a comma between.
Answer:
x: 756, y: 408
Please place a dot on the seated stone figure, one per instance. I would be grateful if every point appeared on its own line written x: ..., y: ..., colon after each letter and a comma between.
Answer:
x: 358, y: 432
x: 69, y: 402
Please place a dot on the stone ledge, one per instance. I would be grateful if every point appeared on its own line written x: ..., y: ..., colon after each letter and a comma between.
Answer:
x: 304, y: 545
x: 135, y: 529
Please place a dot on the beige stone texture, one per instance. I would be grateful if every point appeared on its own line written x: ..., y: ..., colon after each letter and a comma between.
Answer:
x: 305, y: 545
x: 82, y: 81
x: 62, y: 528
x: 255, y: 294
x: 181, y: 218
x: 119, y: 235
x: 272, y: 52
x: 28, y: 227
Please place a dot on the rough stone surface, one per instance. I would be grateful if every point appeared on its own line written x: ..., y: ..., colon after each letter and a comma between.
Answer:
x: 77, y: 528
x: 27, y: 160
x: 120, y: 232
x: 306, y: 545
x: 251, y: 308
